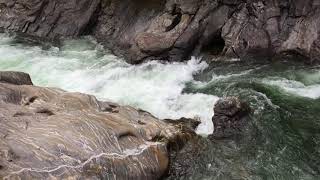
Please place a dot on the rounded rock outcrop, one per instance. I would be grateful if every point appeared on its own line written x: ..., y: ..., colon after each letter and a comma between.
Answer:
x: 229, y: 117
x: 48, y: 133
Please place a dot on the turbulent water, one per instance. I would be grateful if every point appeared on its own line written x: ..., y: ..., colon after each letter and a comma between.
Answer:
x: 83, y: 66
x: 282, y: 140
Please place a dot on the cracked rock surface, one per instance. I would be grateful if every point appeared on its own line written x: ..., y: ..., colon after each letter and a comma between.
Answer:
x: 48, y: 18
x: 47, y: 133
x: 174, y: 30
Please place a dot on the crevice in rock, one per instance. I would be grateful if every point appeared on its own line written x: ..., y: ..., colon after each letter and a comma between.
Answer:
x: 145, y: 113
x: 214, y: 46
x: 110, y: 108
x: 126, y: 134
x: 245, y: 43
x: 31, y: 100
x: 19, y: 114
x: 176, y: 12
x: 141, y: 122
x: 175, y: 22
x: 27, y: 125
x: 92, y: 24
x: 45, y: 112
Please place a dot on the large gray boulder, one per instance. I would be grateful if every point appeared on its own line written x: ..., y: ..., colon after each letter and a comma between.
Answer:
x: 47, y: 133
x: 229, y: 117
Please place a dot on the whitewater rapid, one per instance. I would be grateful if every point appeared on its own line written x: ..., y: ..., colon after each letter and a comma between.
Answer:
x: 295, y: 87
x: 83, y: 66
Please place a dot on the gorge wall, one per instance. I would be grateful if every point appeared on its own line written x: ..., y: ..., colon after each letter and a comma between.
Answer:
x: 174, y: 30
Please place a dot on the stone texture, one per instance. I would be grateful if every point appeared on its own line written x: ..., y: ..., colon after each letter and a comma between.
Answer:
x: 269, y: 28
x: 229, y: 117
x: 250, y: 29
x: 17, y: 78
x: 48, y: 18
x: 47, y: 133
x: 174, y: 30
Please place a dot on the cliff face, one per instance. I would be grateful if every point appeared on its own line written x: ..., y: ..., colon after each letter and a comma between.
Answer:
x: 176, y: 29
x: 47, y: 133
x: 48, y: 18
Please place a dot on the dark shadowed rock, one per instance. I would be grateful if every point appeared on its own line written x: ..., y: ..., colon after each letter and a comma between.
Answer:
x: 199, y: 153
x: 229, y: 117
x: 17, y: 78
x: 273, y: 28
x: 174, y: 30
x: 48, y: 18
x: 47, y: 133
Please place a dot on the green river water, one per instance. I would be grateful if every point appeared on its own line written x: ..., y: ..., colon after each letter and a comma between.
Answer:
x: 282, y: 140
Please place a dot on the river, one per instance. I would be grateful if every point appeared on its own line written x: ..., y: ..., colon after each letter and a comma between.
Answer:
x: 282, y: 140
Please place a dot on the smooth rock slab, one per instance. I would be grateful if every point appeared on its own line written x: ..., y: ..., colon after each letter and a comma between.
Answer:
x: 47, y: 133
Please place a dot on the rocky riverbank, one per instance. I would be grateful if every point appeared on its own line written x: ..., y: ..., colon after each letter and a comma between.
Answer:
x: 47, y: 133
x: 173, y: 30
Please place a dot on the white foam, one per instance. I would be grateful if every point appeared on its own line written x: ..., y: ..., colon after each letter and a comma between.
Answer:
x: 295, y: 87
x: 152, y: 86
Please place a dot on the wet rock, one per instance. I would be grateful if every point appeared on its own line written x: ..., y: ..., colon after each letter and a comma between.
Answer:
x: 194, y: 156
x: 229, y: 117
x: 17, y: 78
x: 174, y: 30
x: 184, y: 162
x: 47, y: 133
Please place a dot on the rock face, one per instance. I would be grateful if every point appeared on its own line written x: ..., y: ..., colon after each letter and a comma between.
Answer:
x: 229, y: 117
x: 18, y: 78
x: 48, y: 18
x: 47, y: 133
x: 174, y: 30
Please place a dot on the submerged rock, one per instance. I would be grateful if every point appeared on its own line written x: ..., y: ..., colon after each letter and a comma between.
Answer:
x: 174, y: 30
x: 229, y: 117
x: 199, y: 154
x: 47, y: 133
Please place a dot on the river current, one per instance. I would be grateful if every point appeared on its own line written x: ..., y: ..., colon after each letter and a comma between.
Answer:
x: 282, y: 140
